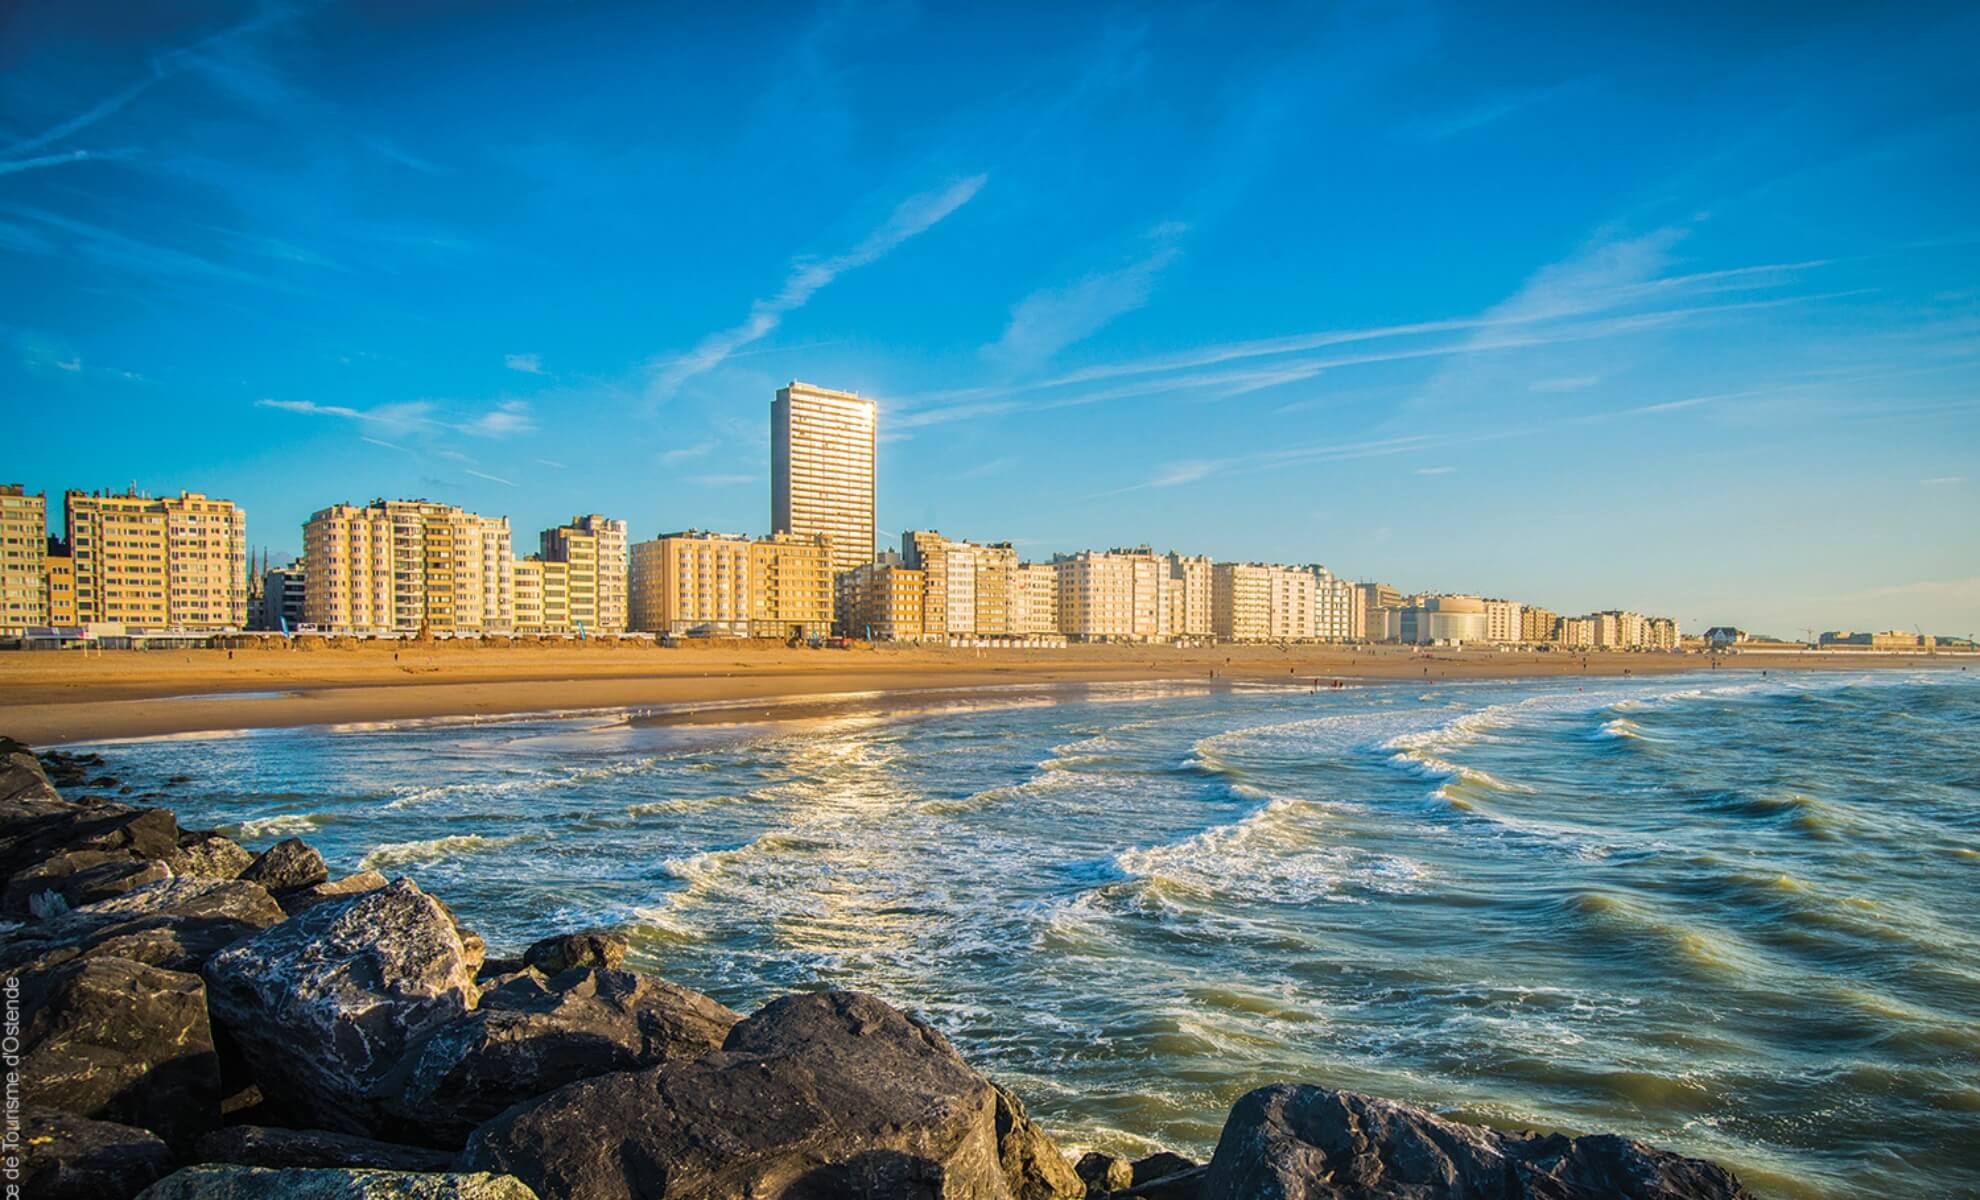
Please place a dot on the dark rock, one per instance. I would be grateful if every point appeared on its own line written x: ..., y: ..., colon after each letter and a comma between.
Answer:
x: 1182, y: 1185
x: 286, y: 866
x: 500, y: 968
x: 260, y: 1146
x: 831, y: 1094
x: 176, y: 924
x: 1104, y: 1173
x: 591, y: 948
x: 44, y: 843
x: 1160, y: 1165
x: 330, y: 1183
x: 117, y: 1040
x: 82, y: 877
x: 208, y: 855
x: 1303, y: 1142
x: 1033, y: 1167
x: 22, y: 776
x: 336, y: 889
x: 324, y: 1004
x: 67, y: 1157
x: 530, y: 1038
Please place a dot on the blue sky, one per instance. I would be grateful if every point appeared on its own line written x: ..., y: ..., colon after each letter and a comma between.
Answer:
x: 1677, y: 311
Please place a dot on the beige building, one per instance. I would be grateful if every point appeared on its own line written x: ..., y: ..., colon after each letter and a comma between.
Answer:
x: 1253, y: 602
x: 1443, y: 619
x: 1336, y: 607
x: 1538, y: 625
x: 997, y: 596
x: 407, y: 566
x: 1118, y: 595
x: 1380, y: 602
x: 1660, y: 633
x: 823, y: 446
x: 167, y: 562
x: 58, y: 592
x: 1037, y: 586
x: 1190, y: 587
x: 970, y: 588
x: 1577, y: 633
x: 542, y: 604
x: 882, y: 601
x: 695, y: 584
x: 1505, y: 621
x: 23, y: 555
x: 594, y: 549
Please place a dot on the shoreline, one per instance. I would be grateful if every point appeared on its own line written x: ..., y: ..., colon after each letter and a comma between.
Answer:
x: 63, y: 698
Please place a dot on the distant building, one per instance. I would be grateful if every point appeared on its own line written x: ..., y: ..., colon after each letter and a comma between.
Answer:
x: 1719, y: 636
x: 882, y: 600
x: 280, y: 603
x: 695, y: 584
x: 1038, y: 598
x: 1538, y: 625
x: 1578, y: 633
x: 1660, y: 633
x: 23, y: 560
x: 1337, y: 615
x: 1444, y: 619
x: 822, y: 452
x: 158, y: 563
x: 406, y: 566
x: 594, y: 549
x: 1116, y: 595
x: 58, y: 591
x: 1253, y: 602
x: 1890, y: 640
x: 1379, y: 604
x: 1505, y: 621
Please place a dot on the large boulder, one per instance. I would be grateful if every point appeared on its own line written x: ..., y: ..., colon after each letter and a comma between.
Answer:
x: 1033, y: 1167
x: 43, y: 846
x: 21, y: 775
x: 1304, y: 1142
x: 325, y: 1003
x: 824, y: 1095
x: 531, y: 1037
x: 1104, y: 1173
x: 287, y: 866
x: 67, y: 1157
x: 120, y: 1041
x: 589, y: 948
x: 208, y: 855
x: 330, y: 1183
x: 176, y: 924
x: 261, y: 1146
x: 336, y: 889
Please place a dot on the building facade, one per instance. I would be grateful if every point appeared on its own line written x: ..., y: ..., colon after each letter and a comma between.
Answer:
x: 882, y: 601
x: 823, y: 449
x: 1505, y: 621
x: 23, y: 560
x: 1336, y: 607
x: 594, y: 549
x: 1037, y: 587
x: 1116, y: 595
x: 1256, y: 602
x: 1443, y: 619
x: 1379, y: 604
x: 1537, y: 625
x: 280, y: 604
x: 696, y: 584
x: 151, y: 563
x: 1190, y: 587
x: 403, y: 567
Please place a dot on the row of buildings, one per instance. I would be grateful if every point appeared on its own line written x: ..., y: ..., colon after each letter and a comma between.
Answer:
x: 402, y: 567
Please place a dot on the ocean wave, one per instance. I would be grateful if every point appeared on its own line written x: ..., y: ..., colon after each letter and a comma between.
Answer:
x: 282, y: 825
x: 433, y: 850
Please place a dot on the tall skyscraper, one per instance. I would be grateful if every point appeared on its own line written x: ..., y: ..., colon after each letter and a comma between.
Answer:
x: 821, y: 469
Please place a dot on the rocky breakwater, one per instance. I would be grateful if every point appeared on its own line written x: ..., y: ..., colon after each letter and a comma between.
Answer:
x: 198, y: 1021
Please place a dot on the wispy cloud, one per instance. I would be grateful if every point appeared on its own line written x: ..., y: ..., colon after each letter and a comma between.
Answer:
x: 1571, y: 383
x: 682, y: 453
x: 1048, y: 320
x: 911, y: 217
x: 1482, y: 112
x: 529, y: 364
x: 17, y: 165
x: 552, y: 463
x: 723, y: 480
x: 487, y: 476
x: 1436, y: 470
x: 387, y: 445
x: 991, y: 467
x: 506, y: 419
x: 1943, y: 481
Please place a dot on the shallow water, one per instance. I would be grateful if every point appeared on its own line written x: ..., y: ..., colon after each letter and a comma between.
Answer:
x: 1735, y: 916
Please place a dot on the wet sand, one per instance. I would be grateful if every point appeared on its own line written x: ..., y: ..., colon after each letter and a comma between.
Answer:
x: 49, y: 698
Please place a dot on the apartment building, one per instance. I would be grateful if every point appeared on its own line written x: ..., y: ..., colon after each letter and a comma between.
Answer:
x: 1577, y: 633
x: 1255, y: 602
x: 1190, y: 586
x: 58, y: 585
x: 1505, y: 621
x: 791, y: 586
x: 280, y: 604
x: 165, y: 562
x: 407, y: 566
x: 1336, y: 607
x: 594, y: 549
x: 882, y: 600
x: 1115, y: 595
x: 1443, y: 619
x: 1379, y: 604
x: 697, y: 584
x: 1538, y: 625
x: 970, y: 588
x: 823, y: 446
x: 997, y: 590
x: 23, y: 557
x: 1037, y: 590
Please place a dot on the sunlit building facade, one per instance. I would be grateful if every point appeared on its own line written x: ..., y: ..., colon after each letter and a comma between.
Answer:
x: 402, y: 567
x: 23, y: 560
x: 165, y: 562
x: 823, y: 447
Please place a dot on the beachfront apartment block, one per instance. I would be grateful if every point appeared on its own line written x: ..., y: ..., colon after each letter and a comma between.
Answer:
x: 23, y: 559
x: 1336, y: 607
x: 823, y: 447
x: 407, y: 566
x: 1379, y: 604
x: 1037, y: 605
x: 1538, y: 624
x: 594, y: 549
x: 697, y: 584
x: 1190, y: 594
x: 969, y: 589
x: 1257, y: 602
x: 1114, y: 595
x: 882, y: 601
x: 157, y: 562
x: 1505, y: 620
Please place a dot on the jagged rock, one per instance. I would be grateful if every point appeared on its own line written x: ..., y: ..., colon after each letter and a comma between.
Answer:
x: 331, y: 1183
x: 590, y: 948
x: 260, y: 1146
x: 67, y: 1157
x: 324, y: 1004
x: 44, y: 846
x: 286, y: 866
x: 1104, y: 1173
x: 830, y: 1094
x: 117, y: 1040
x: 532, y: 1037
x: 1182, y: 1185
x: 208, y: 855
x: 1160, y: 1165
x: 22, y: 776
x: 176, y: 924
x: 500, y: 969
x: 79, y: 884
x: 336, y: 889
x: 1033, y: 1167
x: 1303, y: 1142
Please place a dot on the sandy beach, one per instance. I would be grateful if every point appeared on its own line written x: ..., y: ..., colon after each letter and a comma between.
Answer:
x: 54, y: 698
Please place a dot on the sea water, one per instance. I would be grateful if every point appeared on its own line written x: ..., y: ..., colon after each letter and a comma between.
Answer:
x: 1734, y: 915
